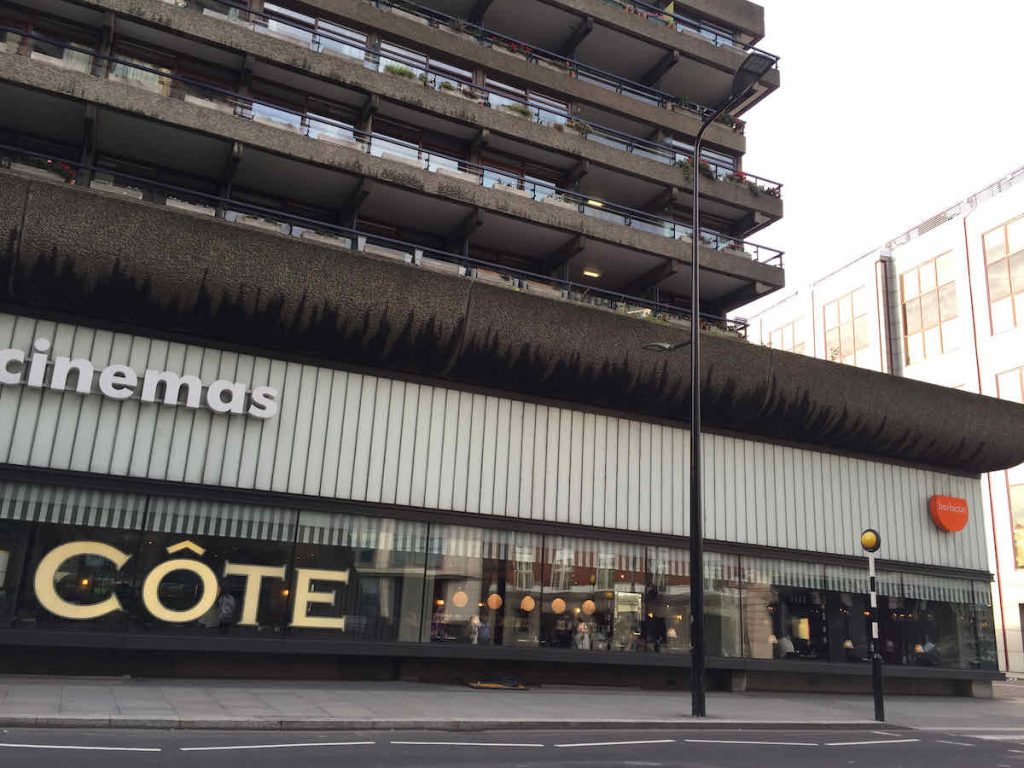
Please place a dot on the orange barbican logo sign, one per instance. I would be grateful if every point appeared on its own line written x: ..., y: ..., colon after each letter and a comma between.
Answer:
x: 948, y: 513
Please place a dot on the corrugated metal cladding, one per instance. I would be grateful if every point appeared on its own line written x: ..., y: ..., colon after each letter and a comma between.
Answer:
x: 369, y: 438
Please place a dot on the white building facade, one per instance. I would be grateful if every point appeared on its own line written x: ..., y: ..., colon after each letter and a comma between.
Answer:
x: 943, y: 303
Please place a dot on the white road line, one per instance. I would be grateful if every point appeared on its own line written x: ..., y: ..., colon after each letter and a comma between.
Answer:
x: 758, y: 743
x: 971, y: 729
x: 617, y: 743
x: 464, y: 744
x: 278, y: 746
x: 1014, y: 737
x: 884, y: 733
x: 87, y: 749
x: 954, y: 743
x: 867, y: 743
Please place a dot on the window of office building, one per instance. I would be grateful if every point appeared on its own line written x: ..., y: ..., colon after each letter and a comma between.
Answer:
x: 846, y: 328
x: 1010, y: 385
x: 930, y: 313
x: 1015, y: 482
x: 787, y: 338
x: 1004, y: 260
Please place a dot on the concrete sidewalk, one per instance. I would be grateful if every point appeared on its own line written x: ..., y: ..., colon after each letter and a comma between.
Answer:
x: 239, y: 705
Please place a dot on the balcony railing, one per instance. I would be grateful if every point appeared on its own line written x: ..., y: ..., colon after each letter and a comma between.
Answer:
x: 685, y: 24
x: 381, y: 145
x: 54, y: 168
x: 323, y: 36
x: 571, y: 67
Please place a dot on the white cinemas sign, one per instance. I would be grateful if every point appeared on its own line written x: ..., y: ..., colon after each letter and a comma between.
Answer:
x: 120, y: 382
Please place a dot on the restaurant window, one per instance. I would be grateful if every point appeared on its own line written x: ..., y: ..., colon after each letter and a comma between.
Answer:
x: 930, y: 624
x: 224, y: 534
x: 1015, y: 484
x: 1004, y: 260
x: 846, y: 328
x: 848, y: 614
x: 668, y: 601
x: 385, y: 560
x: 35, y: 520
x: 787, y: 338
x: 593, y: 594
x: 784, y: 610
x: 931, y: 324
x: 483, y: 586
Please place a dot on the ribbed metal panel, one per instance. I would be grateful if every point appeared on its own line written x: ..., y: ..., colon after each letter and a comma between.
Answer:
x: 367, y: 438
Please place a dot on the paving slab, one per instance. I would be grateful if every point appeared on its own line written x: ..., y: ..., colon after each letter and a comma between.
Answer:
x: 338, y: 705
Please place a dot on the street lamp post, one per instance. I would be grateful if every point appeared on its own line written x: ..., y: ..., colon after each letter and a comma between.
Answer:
x: 747, y: 76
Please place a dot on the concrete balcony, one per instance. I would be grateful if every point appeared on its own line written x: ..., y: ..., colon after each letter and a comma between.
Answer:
x: 268, y: 160
x: 629, y: 41
x: 634, y: 175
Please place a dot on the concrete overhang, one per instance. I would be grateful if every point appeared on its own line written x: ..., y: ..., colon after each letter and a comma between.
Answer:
x: 739, y: 273
x: 158, y: 268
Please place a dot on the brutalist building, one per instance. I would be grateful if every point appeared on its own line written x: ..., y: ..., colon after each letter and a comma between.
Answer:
x: 321, y: 352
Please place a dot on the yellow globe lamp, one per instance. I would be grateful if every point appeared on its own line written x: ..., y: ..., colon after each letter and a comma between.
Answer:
x: 871, y: 540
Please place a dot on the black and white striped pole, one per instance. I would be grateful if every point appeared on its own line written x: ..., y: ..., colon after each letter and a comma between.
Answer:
x: 871, y: 541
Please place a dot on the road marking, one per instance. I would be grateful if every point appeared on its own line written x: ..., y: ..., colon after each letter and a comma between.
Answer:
x: 866, y: 743
x: 884, y: 733
x: 954, y: 743
x: 464, y: 744
x: 89, y: 749
x: 617, y: 743
x: 1016, y: 737
x: 758, y: 743
x: 279, y: 746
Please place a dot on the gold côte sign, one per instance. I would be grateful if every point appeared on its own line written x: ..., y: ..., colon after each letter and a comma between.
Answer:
x: 306, y: 592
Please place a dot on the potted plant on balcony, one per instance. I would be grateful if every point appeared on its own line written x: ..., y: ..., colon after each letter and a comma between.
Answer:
x: 518, y: 109
x: 400, y: 70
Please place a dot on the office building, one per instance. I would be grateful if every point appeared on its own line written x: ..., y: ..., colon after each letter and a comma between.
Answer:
x: 942, y: 302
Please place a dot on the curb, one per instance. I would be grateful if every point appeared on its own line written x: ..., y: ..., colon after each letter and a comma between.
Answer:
x: 333, y: 724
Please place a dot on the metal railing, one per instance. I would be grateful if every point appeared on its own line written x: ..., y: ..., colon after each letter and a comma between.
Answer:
x: 680, y: 23
x: 322, y: 39
x: 490, y: 38
x: 390, y: 148
x: 180, y: 198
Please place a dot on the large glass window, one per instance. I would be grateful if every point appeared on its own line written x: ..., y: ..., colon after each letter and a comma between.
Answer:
x: 846, y: 328
x: 593, y: 594
x: 384, y: 560
x: 784, y: 610
x: 233, y: 542
x: 483, y: 586
x: 931, y: 324
x: 153, y: 564
x: 1004, y: 259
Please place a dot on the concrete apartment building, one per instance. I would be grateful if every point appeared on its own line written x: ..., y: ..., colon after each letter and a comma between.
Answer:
x: 943, y: 303
x: 321, y: 353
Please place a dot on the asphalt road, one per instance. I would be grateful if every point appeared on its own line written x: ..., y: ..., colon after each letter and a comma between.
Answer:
x: 109, y: 748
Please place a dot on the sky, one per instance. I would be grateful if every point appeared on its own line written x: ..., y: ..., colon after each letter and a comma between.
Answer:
x: 889, y: 112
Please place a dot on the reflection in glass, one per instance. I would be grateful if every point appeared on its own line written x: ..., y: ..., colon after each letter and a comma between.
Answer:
x: 385, y: 560
x: 483, y: 586
x: 593, y: 594
x: 784, y: 610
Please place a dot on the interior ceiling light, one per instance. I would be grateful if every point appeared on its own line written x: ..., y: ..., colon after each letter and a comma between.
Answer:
x: 591, y: 273
x: 595, y: 203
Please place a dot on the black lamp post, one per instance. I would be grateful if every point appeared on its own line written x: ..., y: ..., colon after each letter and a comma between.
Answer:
x: 747, y: 76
